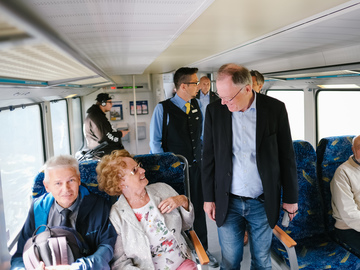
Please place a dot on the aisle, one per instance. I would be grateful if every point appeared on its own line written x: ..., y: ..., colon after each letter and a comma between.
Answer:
x: 214, y: 248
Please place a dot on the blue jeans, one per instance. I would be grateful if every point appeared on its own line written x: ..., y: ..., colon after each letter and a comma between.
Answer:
x: 245, y: 214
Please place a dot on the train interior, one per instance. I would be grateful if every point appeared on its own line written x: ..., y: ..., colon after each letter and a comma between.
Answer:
x: 56, y: 56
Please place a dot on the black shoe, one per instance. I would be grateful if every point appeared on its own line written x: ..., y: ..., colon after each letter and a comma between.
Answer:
x: 212, y: 260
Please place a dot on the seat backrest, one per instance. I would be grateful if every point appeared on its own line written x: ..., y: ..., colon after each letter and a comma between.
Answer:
x: 331, y: 153
x: 88, y: 178
x: 309, y: 221
x: 166, y: 168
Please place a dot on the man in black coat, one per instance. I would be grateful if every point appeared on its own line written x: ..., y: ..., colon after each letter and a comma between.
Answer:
x: 205, y: 95
x: 97, y: 127
x: 248, y: 159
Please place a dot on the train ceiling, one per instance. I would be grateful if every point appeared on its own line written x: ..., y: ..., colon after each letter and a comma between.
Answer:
x: 92, y: 42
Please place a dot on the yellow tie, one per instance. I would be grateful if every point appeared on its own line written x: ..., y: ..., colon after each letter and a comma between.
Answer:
x: 187, y: 105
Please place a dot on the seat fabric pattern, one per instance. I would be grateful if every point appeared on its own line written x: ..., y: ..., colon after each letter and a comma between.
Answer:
x: 38, y: 187
x: 331, y: 153
x: 314, y: 250
x: 88, y: 177
x: 164, y: 167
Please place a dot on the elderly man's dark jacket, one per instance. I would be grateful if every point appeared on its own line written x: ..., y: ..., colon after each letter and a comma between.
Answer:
x: 274, y: 156
x: 92, y: 224
x: 213, y: 96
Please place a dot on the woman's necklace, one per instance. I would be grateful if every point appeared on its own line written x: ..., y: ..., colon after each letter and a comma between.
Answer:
x: 139, y: 199
x: 141, y: 196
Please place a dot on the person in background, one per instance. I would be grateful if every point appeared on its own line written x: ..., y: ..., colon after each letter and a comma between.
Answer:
x: 88, y: 215
x: 258, y: 80
x: 148, y: 219
x: 345, y: 200
x: 248, y: 162
x: 205, y: 95
x: 176, y: 126
x: 97, y: 127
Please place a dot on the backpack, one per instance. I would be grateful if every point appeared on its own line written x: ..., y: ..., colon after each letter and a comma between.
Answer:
x: 54, y: 246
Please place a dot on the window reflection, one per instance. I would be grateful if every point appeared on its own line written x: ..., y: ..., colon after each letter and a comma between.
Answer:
x: 294, y: 102
x: 21, y: 157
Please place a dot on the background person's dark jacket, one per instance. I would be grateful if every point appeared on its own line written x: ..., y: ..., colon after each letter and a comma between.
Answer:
x: 213, y: 96
x: 98, y: 129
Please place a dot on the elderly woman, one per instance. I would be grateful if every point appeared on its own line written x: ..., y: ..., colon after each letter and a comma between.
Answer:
x: 148, y: 218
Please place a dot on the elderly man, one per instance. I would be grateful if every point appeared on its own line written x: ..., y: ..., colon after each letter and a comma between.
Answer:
x: 88, y: 214
x: 176, y: 126
x: 97, y: 127
x: 248, y: 160
x: 257, y: 79
x: 345, y: 201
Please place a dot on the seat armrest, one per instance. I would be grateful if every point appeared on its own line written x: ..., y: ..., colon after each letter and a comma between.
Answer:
x: 289, y: 245
x: 283, y: 237
x: 196, y: 245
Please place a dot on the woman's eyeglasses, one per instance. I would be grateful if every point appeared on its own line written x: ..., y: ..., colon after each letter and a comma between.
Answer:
x: 136, y: 168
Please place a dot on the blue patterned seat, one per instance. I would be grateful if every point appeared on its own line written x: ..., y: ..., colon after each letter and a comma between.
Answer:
x: 314, y: 249
x: 331, y: 153
x: 164, y: 167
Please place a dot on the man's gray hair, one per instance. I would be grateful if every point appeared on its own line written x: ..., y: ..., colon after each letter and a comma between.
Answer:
x: 60, y: 161
x: 239, y: 74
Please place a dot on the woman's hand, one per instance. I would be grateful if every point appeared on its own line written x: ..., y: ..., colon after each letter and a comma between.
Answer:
x: 169, y: 204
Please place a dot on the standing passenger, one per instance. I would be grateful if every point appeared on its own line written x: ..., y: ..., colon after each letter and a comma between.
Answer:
x: 180, y: 132
x: 258, y: 80
x: 248, y: 158
x: 205, y: 95
x: 97, y: 127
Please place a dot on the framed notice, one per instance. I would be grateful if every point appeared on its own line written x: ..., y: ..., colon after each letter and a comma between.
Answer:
x: 141, y: 107
x: 116, y: 112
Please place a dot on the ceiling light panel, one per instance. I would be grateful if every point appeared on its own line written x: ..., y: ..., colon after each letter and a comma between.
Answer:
x: 39, y: 62
x: 8, y: 31
x: 123, y: 32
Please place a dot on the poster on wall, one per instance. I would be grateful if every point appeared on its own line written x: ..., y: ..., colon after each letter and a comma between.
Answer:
x: 141, y: 107
x: 116, y: 112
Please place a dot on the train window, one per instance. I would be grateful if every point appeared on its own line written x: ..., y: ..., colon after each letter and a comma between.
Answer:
x: 77, y: 123
x: 21, y: 157
x: 60, y: 127
x: 337, y: 113
x: 294, y: 102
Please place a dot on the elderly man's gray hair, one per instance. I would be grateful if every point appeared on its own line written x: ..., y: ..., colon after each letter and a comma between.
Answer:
x: 60, y: 161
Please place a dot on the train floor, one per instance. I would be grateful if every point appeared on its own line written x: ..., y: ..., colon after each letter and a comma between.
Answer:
x: 214, y: 248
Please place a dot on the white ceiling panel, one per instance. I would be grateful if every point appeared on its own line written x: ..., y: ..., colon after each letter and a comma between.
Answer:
x: 92, y: 27
x: 57, y: 41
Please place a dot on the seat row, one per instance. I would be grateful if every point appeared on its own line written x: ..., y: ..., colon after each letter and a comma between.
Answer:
x: 313, y: 227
